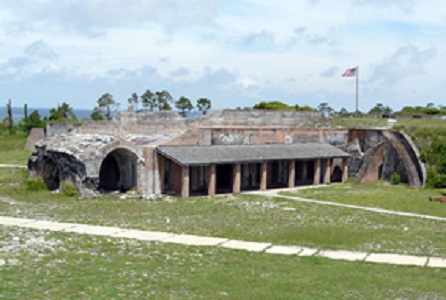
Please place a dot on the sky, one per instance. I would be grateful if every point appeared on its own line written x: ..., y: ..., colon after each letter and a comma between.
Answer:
x: 236, y: 53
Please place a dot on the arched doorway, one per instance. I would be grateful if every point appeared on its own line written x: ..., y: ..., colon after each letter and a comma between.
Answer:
x: 118, y: 171
x: 51, y: 174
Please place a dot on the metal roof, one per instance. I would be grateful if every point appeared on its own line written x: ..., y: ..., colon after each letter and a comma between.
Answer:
x: 224, y: 154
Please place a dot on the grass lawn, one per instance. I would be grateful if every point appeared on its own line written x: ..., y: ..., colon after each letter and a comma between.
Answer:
x: 12, y: 149
x: 248, y: 217
x: 39, y: 264
x: 382, y: 195
x: 42, y: 264
x: 377, y: 122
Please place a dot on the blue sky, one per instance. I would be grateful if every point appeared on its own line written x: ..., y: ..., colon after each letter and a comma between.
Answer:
x: 236, y: 53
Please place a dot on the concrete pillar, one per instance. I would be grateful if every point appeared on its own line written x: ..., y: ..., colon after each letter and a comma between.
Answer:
x: 212, y: 180
x: 185, y: 182
x: 291, y: 173
x: 327, y: 169
x: 236, y: 176
x: 263, y: 176
x: 162, y: 170
x: 317, y: 172
x: 344, y: 169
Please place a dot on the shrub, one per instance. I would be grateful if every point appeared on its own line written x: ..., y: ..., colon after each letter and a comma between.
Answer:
x: 68, y: 189
x: 435, y: 180
x: 35, y: 184
x: 395, y: 179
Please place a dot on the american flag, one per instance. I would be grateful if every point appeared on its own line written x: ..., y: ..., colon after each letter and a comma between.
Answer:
x: 349, y: 73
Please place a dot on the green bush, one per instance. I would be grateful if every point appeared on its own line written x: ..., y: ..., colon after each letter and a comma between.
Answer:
x: 435, y: 180
x: 395, y: 179
x: 68, y: 189
x: 35, y: 184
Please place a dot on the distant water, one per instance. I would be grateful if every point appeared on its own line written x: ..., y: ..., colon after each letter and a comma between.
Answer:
x: 18, y: 114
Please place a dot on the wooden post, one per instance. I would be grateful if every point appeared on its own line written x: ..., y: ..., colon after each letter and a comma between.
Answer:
x: 327, y: 169
x: 236, y: 179
x: 185, y: 182
x: 317, y: 172
x: 292, y: 173
x: 212, y: 180
x: 344, y: 169
x: 263, y: 175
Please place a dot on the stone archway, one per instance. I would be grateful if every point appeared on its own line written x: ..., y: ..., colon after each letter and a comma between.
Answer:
x: 118, y: 171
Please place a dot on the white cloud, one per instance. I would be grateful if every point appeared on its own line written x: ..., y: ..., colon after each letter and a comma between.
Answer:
x: 224, y: 50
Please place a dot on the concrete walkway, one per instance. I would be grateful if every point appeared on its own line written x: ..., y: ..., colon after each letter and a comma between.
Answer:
x: 275, y: 193
x: 13, y: 166
x: 193, y: 240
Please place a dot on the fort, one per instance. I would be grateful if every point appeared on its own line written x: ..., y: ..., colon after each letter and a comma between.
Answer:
x: 225, y: 151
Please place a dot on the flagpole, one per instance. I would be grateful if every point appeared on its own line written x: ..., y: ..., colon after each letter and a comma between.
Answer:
x: 357, y: 81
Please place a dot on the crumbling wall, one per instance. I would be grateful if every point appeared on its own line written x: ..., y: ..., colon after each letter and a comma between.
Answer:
x: 53, y: 129
x: 231, y: 117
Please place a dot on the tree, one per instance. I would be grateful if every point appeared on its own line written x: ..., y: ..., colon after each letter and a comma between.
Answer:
x: 325, y: 109
x: 96, y: 115
x: 149, y: 100
x: 380, y: 109
x: 273, y: 105
x: 410, y: 110
x: 184, y: 104
x: 303, y: 108
x: 163, y: 100
x: 25, y: 111
x: 106, y: 101
x: 203, y: 105
x: 63, y: 112
x: 10, y: 119
x: 343, y: 112
x: 33, y: 121
x: 133, y: 101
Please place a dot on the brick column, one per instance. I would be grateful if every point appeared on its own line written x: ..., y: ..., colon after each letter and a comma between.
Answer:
x: 212, y: 180
x: 292, y: 173
x: 236, y: 178
x: 327, y: 169
x: 317, y: 172
x: 185, y: 182
x: 263, y: 176
x: 344, y: 169
x: 162, y: 170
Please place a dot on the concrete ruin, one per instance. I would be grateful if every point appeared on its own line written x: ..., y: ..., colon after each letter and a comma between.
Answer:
x: 226, y: 151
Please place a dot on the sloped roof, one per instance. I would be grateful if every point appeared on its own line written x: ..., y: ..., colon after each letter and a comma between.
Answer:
x: 222, y: 154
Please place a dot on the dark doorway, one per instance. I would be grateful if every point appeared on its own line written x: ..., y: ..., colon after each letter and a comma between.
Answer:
x: 250, y: 177
x: 224, y: 179
x: 109, y: 173
x: 51, y: 174
x: 336, y: 176
x: 278, y: 175
x: 198, y: 182
x: 118, y: 171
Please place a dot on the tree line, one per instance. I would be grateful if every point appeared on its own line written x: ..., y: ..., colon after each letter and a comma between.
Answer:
x: 163, y: 101
x: 328, y: 111
x: 106, y: 107
x: 149, y: 101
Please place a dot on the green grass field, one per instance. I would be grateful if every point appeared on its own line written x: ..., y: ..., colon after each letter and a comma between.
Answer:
x: 12, y: 149
x: 382, y: 195
x: 39, y: 264
x: 42, y: 264
x: 378, y: 122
